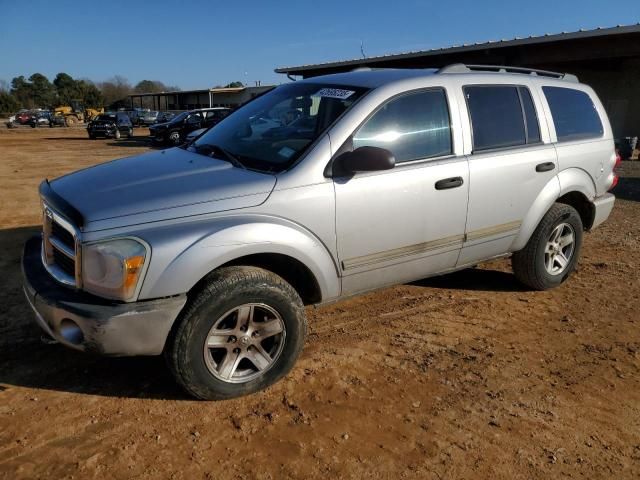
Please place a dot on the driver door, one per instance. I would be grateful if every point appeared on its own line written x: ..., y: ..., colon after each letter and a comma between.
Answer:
x: 402, y: 224
x: 193, y: 122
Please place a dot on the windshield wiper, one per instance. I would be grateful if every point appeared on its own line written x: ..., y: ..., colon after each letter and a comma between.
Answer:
x: 209, y: 149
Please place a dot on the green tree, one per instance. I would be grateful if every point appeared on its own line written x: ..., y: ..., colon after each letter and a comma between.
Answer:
x: 150, y: 86
x: 234, y: 85
x: 21, y: 91
x: 67, y: 88
x: 8, y: 103
x: 90, y: 95
x: 43, y: 93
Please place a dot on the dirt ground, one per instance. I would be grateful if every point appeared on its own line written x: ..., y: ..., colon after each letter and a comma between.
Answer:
x: 462, y: 376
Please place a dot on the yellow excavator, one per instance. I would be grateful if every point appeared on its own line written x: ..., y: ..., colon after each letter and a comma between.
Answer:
x: 76, y: 113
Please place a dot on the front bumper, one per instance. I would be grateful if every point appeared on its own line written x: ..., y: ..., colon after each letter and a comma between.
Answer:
x: 602, y: 209
x: 89, y: 323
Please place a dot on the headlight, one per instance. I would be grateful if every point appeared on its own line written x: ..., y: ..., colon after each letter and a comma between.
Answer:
x: 114, y: 268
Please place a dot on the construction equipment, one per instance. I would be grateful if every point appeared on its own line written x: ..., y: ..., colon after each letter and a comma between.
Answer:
x: 73, y: 113
x: 91, y: 113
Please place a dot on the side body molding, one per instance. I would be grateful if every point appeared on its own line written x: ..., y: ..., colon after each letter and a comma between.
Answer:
x: 183, y: 258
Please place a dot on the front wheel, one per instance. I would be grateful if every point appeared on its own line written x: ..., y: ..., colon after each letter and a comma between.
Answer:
x: 242, y: 332
x: 174, y: 138
x: 130, y: 133
x: 551, y: 253
x: 117, y: 134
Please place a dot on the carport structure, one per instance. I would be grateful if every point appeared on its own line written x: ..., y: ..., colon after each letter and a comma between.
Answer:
x: 608, y: 59
x: 190, y: 99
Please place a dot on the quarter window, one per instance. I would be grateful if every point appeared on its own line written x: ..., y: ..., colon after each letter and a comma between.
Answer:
x: 414, y: 126
x: 574, y: 114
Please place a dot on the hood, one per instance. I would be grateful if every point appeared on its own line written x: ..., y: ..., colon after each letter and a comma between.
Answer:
x: 160, y: 185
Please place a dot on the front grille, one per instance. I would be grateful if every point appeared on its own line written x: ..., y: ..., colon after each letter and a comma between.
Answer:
x: 63, y: 235
x: 59, y: 239
x: 66, y: 264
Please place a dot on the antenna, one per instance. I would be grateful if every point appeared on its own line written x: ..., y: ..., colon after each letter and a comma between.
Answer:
x: 362, y: 49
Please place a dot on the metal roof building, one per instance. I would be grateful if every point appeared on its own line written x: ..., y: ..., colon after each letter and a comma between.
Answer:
x: 608, y: 59
x: 190, y: 99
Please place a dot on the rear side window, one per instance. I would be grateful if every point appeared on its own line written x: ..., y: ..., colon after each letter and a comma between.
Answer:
x: 501, y: 116
x: 574, y: 114
x: 413, y: 127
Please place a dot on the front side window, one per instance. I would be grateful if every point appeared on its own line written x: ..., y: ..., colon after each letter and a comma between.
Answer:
x: 412, y: 127
x: 574, y: 114
x: 271, y: 132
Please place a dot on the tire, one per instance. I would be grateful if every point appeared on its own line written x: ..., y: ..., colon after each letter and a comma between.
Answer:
x: 200, y: 369
x: 546, y: 261
x: 174, y: 138
x: 70, y: 121
x: 130, y: 133
x: 117, y: 134
x: 92, y: 137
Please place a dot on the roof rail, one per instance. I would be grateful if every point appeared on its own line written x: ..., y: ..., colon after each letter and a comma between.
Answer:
x: 462, y: 68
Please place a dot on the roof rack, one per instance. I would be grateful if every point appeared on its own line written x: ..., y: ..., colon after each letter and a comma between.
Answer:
x: 462, y: 68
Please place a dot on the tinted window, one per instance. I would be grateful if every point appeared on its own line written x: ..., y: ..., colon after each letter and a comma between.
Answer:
x: 530, y: 117
x: 412, y: 127
x: 496, y: 116
x: 574, y: 114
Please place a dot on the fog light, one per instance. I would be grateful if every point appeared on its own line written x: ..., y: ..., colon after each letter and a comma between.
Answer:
x: 71, y: 332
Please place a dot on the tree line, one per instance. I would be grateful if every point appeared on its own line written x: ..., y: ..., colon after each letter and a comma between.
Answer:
x: 38, y: 92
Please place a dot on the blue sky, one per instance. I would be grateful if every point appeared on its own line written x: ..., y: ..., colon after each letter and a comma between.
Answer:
x: 196, y: 43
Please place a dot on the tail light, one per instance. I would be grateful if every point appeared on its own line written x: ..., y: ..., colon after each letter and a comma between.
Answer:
x: 616, y: 177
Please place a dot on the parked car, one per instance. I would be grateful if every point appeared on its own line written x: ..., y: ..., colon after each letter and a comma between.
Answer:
x: 176, y: 130
x: 209, y: 252
x: 164, y: 117
x: 57, y: 120
x: 24, y: 117
x: 147, y: 118
x: 110, y: 125
x: 39, y: 119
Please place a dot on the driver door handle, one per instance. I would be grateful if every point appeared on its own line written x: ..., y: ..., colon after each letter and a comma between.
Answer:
x: 545, y: 167
x: 447, y: 183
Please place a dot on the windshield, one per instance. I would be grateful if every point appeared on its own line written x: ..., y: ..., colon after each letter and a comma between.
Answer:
x: 106, y: 118
x: 180, y: 117
x: 271, y: 132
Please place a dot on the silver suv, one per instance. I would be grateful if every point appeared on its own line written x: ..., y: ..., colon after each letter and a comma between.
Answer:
x: 320, y: 189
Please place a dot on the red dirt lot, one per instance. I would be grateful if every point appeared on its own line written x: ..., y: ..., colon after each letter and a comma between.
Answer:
x: 467, y: 375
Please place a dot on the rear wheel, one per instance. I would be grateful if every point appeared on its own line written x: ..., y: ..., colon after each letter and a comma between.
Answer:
x: 552, y: 252
x: 130, y: 133
x: 240, y: 333
x: 117, y: 134
x: 70, y: 121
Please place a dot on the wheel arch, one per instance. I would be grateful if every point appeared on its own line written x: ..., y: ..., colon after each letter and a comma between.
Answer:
x: 277, y: 245
x: 573, y: 187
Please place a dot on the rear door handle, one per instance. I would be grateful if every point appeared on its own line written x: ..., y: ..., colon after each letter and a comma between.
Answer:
x: 446, y: 183
x: 545, y: 167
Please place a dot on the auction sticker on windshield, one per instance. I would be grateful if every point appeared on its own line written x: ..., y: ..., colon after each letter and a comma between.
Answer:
x: 334, y: 93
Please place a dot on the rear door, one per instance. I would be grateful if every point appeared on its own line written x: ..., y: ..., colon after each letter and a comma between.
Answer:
x: 510, y: 163
x: 401, y: 224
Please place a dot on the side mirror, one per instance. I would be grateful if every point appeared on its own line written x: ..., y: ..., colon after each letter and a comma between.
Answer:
x: 364, y: 159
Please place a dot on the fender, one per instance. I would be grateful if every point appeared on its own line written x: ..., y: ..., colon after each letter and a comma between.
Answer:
x: 568, y: 180
x: 577, y: 180
x: 184, y: 254
x: 540, y: 206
